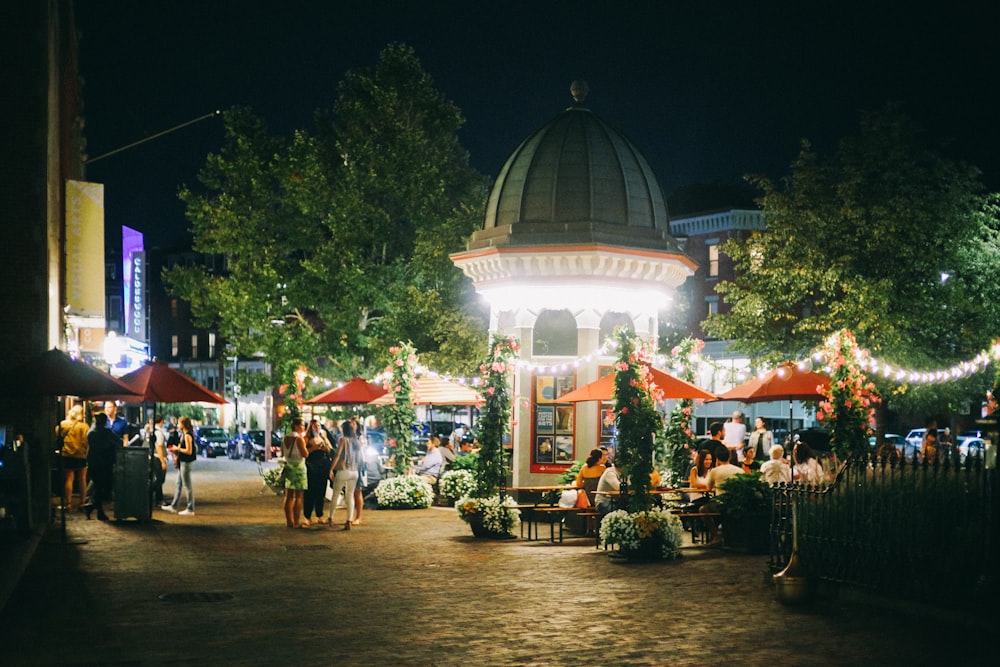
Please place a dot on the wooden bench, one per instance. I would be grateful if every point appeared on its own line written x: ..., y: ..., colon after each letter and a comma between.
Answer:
x: 552, y: 514
x: 699, y: 529
x: 593, y: 517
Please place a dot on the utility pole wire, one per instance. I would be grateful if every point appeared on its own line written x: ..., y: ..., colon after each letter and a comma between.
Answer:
x: 155, y: 136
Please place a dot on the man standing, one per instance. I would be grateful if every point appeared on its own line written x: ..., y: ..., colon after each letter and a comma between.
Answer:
x: 116, y: 422
x: 735, y: 431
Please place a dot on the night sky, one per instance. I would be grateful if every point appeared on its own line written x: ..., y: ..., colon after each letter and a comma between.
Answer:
x: 709, y: 91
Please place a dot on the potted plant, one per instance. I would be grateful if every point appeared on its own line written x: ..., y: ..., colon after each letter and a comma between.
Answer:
x: 456, y: 483
x: 402, y: 493
x: 488, y: 512
x: 746, y: 512
x: 492, y: 516
x: 653, y: 534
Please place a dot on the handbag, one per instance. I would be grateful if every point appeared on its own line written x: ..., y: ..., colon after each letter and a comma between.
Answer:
x: 582, y: 500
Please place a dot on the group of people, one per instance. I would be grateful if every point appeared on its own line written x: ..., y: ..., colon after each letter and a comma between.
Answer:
x: 87, y: 457
x: 312, y: 461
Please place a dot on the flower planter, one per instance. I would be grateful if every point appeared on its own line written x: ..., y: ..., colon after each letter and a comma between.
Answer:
x: 479, y: 530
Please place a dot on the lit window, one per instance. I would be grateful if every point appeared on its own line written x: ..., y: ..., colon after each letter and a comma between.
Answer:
x: 211, y: 345
x: 713, y: 307
x: 173, y: 346
x: 713, y: 261
x: 194, y: 346
x: 173, y: 308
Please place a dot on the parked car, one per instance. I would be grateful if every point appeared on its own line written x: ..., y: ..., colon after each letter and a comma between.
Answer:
x: 211, y: 441
x: 905, y: 449
x: 974, y: 447
x: 916, y: 437
x: 250, y: 445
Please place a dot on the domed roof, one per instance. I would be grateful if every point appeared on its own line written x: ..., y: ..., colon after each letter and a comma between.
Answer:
x: 576, y: 180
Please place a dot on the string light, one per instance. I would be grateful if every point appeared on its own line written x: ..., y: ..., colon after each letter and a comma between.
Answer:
x: 865, y: 360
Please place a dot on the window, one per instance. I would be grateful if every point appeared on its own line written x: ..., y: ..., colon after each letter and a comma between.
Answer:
x: 211, y: 345
x: 173, y: 309
x: 555, y: 334
x: 612, y: 321
x: 713, y: 305
x: 194, y: 346
x: 713, y: 261
x: 173, y: 346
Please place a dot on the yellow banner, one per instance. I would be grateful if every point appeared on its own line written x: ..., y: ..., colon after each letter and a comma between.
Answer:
x: 85, y: 248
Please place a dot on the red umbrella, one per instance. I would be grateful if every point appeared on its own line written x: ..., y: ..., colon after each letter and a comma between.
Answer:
x: 354, y: 392
x: 157, y: 382
x: 604, y: 389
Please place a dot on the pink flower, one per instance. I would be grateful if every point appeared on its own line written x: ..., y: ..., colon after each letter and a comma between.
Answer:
x: 625, y: 410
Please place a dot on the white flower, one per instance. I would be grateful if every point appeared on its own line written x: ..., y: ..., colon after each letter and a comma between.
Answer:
x: 456, y: 483
x: 629, y: 530
x: 498, y: 516
x: 408, y: 492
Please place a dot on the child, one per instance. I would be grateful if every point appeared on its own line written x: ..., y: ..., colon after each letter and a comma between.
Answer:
x: 776, y: 470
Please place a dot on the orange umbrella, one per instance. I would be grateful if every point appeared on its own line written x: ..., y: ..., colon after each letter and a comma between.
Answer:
x: 604, y: 389
x: 354, y: 392
x: 787, y: 382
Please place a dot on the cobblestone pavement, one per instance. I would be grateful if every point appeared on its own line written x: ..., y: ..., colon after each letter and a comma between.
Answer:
x: 415, y: 588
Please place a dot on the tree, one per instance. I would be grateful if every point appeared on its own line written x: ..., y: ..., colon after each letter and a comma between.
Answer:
x: 337, y: 244
x: 861, y: 241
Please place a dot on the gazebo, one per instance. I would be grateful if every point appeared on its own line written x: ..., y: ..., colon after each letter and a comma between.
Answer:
x: 575, y: 242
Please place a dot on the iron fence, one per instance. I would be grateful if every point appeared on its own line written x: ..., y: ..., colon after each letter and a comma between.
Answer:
x: 913, y: 529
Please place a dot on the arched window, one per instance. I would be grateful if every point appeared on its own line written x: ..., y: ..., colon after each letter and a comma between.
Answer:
x: 612, y: 321
x: 554, y: 334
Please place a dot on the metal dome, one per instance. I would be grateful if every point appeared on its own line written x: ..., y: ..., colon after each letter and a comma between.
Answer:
x: 576, y: 180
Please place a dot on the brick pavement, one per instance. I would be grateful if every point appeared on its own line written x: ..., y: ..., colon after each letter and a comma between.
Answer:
x: 415, y: 588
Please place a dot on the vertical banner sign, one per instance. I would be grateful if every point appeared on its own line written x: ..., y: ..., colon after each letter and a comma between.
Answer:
x: 85, y: 248
x: 134, y: 274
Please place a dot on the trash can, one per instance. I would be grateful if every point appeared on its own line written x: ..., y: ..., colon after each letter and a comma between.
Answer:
x: 133, y: 486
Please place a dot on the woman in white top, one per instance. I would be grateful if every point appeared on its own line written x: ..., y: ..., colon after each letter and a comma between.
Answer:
x: 807, y: 469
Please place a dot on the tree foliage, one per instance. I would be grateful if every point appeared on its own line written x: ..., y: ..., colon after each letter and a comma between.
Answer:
x: 336, y: 243
x: 860, y: 240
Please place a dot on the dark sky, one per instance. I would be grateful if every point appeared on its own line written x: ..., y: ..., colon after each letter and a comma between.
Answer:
x: 708, y: 91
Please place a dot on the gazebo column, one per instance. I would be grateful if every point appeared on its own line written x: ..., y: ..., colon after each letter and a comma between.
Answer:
x: 520, y: 437
x: 586, y: 424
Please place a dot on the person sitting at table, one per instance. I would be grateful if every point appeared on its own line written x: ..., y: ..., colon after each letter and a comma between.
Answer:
x: 609, y: 481
x: 776, y: 470
x: 430, y: 467
x: 717, y: 476
x: 703, y: 462
x: 750, y: 462
x: 590, y: 473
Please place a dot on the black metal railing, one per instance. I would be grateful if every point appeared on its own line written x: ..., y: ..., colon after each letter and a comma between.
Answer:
x: 915, y: 529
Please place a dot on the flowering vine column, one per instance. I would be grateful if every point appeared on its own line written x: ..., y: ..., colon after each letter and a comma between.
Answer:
x: 637, y: 422
x: 495, y: 416
x: 849, y: 406
x: 399, y: 417
x: 680, y: 439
